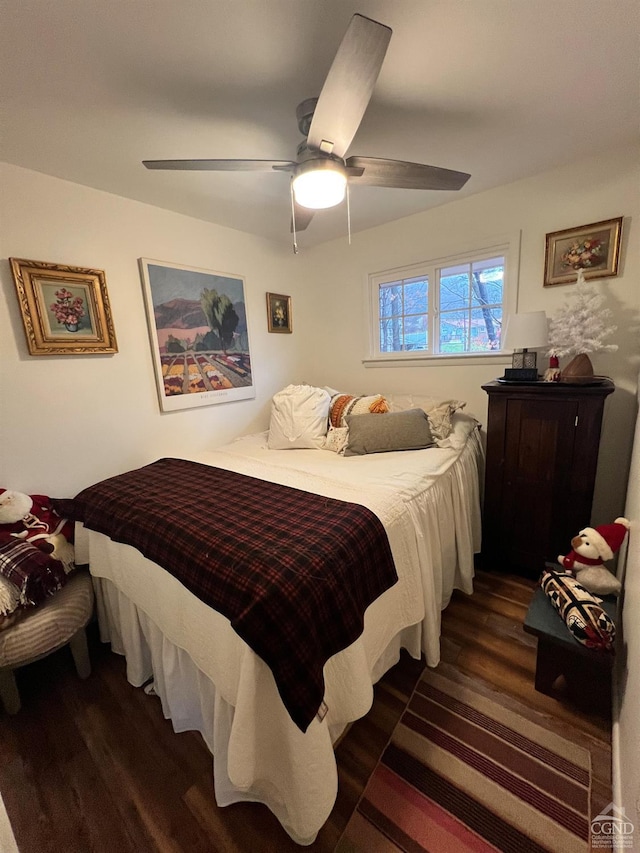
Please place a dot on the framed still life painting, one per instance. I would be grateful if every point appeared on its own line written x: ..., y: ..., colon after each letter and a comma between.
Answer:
x: 199, y: 335
x: 279, y: 313
x: 65, y: 310
x: 594, y: 249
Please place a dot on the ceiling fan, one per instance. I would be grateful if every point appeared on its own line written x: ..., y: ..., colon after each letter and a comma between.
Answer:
x: 329, y: 123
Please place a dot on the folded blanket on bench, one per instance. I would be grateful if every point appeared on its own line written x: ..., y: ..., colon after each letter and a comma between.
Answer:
x: 589, y: 623
x: 28, y: 574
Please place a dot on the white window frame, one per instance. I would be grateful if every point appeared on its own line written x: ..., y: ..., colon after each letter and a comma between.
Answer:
x: 505, y: 246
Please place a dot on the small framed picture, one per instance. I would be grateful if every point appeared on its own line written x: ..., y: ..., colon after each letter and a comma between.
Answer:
x: 279, y: 312
x: 594, y: 249
x: 65, y: 310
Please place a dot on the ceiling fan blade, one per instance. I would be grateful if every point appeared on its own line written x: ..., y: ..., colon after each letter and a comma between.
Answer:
x: 303, y: 215
x: 348, y: 87
x: 222, y: 165
x: 399, y: 173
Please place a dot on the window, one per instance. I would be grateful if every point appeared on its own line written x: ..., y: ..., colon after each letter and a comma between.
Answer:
x: 449, y: 306
x: 471, y: 297
x: 404, y: 311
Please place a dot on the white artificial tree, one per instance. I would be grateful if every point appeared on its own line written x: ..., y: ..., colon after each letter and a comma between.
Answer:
x: 582, y: 325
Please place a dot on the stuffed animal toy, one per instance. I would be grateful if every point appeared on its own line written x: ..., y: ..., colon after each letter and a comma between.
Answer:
x: 33, y: 518
x: 591, y: 547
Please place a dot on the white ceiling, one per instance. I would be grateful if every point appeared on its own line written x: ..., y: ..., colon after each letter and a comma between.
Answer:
x: 499, y: 88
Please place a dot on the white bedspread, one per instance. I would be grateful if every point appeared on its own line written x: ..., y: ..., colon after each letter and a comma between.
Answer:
x: 208, y: 679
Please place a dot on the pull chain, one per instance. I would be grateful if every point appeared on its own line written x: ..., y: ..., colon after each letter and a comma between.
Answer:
x: 293, y: 220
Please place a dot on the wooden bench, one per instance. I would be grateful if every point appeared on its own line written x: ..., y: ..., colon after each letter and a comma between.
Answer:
x: 587, y: 672
x: 59, y: 620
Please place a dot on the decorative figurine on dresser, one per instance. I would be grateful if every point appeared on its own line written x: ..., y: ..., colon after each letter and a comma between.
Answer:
x: 542, y: 453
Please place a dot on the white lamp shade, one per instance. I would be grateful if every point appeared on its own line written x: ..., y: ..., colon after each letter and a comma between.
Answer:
x: 320, y: 185
x: 526, y: 331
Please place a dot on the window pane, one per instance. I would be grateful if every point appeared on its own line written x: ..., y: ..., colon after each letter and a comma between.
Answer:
x: 415, y: 332
x: 415, y: 296
x: 487, y: 294
x: 391, y: 335
x: 488, y: 282
x: 454, y: 331
x: 454, y: 289
x: 488, y: 264
x: 390, y: 297
x: 403, y: 307
x: 486, y: 329
x: 459, y: 269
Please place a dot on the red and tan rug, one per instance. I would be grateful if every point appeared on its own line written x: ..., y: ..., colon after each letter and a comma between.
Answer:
x: 464, y: 774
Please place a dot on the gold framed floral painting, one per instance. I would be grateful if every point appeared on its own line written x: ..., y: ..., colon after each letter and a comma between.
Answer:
x: 594, y: 249
x: 279, y: 312
x: 65, y: 310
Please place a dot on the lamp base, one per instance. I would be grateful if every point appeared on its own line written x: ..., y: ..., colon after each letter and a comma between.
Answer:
x: 521, y: 374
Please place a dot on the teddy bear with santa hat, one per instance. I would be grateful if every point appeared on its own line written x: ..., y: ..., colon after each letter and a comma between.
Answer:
x: 590, y: 548
x: 33, y: 518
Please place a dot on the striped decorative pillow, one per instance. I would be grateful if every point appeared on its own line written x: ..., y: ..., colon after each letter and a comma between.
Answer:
x: 342, y: 405
x: 589, y: 623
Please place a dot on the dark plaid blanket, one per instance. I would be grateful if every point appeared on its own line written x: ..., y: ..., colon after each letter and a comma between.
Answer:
x: 293, y: 571
x: 31, y: 569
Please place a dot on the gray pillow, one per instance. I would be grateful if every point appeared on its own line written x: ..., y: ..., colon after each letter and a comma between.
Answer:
x: 381, y: 433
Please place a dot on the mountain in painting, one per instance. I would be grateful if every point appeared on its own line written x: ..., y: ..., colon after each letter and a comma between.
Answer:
x: 188, y: 314
x: 180, y: 314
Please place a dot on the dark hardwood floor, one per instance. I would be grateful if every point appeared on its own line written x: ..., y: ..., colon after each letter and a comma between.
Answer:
x: 93, y: 765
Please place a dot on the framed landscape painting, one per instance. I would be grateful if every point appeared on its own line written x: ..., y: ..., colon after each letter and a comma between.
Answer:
x: 65, y: 310
x: 199, y: 335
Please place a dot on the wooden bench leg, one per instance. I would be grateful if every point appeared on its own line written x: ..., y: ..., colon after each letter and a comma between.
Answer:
x: 9, y: 691
x: 589, y: 685
x: 80, y: 653
x: 549, y: 665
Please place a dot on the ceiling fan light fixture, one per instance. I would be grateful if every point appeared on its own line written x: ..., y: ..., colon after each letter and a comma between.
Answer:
x: 329, y: 124
x: 319, y: 184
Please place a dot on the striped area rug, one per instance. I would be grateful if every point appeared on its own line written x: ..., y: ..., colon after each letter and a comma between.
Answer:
x: 464, y: 774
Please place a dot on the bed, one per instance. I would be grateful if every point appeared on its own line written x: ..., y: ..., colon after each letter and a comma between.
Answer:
x: 209, y: 679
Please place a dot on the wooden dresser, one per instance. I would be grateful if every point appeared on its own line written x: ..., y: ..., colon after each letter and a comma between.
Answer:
x: 542, y: 453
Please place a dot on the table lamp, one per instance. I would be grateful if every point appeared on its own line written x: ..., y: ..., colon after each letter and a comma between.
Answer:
x: 524, y: 332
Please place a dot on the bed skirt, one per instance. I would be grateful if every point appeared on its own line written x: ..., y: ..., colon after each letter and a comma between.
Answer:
x: 259, y: 754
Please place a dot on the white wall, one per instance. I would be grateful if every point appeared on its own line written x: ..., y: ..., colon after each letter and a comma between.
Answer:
x: 626, y: 728
x: 589, y: 191
x: 67, y: 421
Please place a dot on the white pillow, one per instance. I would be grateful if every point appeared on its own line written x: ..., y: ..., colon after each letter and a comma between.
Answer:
x: 299, y: 418
x: 402, y: 402
x: 439, y: 412
x: 462, y: 427
x: 440, y: 418
x: 336, y: 439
